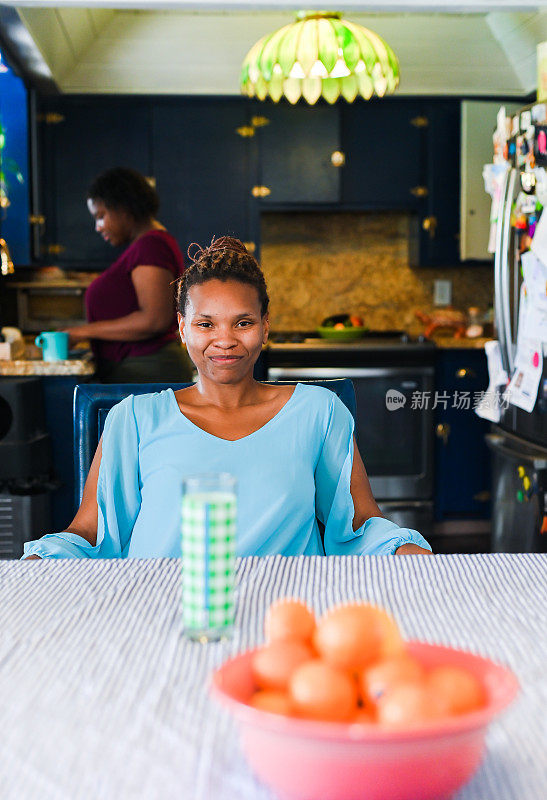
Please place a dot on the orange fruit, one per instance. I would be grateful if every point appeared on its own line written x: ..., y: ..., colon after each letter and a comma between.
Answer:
x: 383, y: 675
x: 271, y: 700
x: 273, y: 664
x: 460, y: 689
x: 410, y: 703
x: 366, y: 715
x: 289, y: 619
x: 322, y: 692
x: 350, y: 637
x: 392, y: 641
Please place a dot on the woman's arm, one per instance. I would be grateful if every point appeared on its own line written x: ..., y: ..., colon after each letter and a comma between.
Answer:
x: 85, y: 522
x: 365, y: 505
x: 154, y: 290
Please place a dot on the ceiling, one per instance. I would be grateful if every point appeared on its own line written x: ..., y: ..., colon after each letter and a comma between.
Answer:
x: 172, y: 47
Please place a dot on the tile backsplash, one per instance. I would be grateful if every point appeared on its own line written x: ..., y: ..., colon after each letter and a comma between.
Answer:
x: 322, y: 263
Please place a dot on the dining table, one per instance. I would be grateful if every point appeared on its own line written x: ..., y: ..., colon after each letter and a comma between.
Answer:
x: 103, y: 696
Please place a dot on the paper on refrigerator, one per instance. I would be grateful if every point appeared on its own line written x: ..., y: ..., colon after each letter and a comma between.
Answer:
x: 532, y: 323
x: 523, y: 387
x: 524, y: 384
x: 489, y: 405
x: 539, y: 240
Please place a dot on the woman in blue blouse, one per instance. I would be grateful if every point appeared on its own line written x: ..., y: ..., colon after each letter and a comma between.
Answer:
x: 292, y: 449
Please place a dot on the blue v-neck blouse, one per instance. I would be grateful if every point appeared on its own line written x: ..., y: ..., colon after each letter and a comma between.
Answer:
x: 291, y: 472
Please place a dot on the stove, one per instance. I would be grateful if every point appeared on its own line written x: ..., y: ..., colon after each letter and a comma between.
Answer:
x: 292, y: 348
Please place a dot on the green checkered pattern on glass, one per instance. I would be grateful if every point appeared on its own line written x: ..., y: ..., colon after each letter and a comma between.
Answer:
x: 208, y: 562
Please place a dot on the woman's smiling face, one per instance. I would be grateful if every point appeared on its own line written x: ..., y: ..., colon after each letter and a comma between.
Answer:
x: 223, y: 329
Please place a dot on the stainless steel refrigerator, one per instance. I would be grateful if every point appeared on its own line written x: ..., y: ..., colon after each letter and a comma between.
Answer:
x: 519, y: 440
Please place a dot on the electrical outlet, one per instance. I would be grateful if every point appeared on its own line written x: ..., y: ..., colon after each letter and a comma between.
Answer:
x: 442, y: 293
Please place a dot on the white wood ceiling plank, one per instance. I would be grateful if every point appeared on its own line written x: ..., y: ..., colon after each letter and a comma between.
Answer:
x: 100, y: 17
x: 78, y: 28
x: 49, y: 36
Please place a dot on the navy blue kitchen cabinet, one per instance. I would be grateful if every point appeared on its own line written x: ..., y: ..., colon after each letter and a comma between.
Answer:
x: 434, y: 240
x: 79, y: 138
x: 189, y: 147
x: 201, y: 164
x: 219, y: 161
x: 462, y: 460
x: 296, y: 147
x: 383, y: 142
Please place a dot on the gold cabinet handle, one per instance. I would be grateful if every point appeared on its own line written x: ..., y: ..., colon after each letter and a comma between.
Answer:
x: 260, y: 191
x: 443, y: 431
x: 55, y: 249
x: 419, y: 191
x: 259, y: 122
x: 465, y: 372
x: 338, y: 158
x: 245, y: 131
x: 37, y: 219
x: 429, y: 224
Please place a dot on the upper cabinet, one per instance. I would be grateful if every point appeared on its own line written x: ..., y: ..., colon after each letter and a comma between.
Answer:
x: 189, y: 148
x: 81, y: 137
x: 435, y: 228
x: 383, y: 145
x: 217, y: 162
x: 202, y: 168
x: 296, y: 154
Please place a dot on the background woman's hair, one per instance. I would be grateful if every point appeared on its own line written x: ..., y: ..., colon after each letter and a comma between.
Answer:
x: 226, y: 259
x: 123, y: 188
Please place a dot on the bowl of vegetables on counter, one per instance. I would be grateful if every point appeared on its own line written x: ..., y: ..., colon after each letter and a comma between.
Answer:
x: 342, y: 328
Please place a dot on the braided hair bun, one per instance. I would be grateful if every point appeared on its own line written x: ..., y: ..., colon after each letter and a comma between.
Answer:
x: 225, y: 259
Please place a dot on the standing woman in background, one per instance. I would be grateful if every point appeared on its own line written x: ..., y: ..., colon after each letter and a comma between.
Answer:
x: 130, y: 307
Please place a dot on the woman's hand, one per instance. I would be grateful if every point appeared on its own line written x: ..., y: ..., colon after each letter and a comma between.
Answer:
x: 78, y: 333
x: 412, y: 550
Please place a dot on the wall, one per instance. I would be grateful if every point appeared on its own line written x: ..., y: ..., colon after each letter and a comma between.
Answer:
x: 318, y: 264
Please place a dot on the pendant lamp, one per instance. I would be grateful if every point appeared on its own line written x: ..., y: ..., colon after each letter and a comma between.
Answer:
x: 319, y: 55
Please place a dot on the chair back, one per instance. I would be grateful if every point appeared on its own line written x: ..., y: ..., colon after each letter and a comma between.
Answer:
x: 93, y: 401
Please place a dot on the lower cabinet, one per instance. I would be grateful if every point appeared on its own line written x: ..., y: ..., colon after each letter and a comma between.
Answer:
x: 462, y: 460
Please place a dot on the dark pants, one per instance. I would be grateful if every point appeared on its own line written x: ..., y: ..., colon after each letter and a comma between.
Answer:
x: 171, y: 364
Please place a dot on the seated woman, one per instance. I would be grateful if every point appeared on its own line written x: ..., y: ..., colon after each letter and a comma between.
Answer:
x: 291, y: 448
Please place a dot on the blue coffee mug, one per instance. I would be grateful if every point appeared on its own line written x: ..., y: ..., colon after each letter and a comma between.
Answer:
x: 54, y: 345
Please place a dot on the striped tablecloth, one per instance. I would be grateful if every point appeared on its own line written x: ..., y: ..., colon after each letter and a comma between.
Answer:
x: 102, y: 697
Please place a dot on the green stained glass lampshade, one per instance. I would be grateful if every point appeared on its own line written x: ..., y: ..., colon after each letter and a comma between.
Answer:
x: 319, y: 55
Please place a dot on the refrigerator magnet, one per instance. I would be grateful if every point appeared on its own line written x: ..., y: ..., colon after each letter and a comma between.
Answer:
x: 540, y: 145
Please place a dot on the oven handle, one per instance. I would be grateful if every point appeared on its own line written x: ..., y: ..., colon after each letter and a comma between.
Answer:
x: 320, y: 373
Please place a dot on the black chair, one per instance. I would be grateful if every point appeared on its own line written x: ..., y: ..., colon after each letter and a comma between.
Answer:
x: 93, y: 401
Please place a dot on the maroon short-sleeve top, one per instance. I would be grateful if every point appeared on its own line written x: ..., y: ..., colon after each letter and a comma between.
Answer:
x: 113, y: 295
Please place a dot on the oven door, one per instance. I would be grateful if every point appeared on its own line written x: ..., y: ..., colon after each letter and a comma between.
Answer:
x: 395, y: 438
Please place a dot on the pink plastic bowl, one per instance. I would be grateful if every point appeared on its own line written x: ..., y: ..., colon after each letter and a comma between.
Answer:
x: 309, y: 760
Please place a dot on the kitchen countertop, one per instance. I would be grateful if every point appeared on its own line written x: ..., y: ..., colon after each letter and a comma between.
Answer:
x: 449, y: 342
x: 71, y: 366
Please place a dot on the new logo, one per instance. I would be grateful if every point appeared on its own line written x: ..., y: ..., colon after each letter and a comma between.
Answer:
x: 394, y: 400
